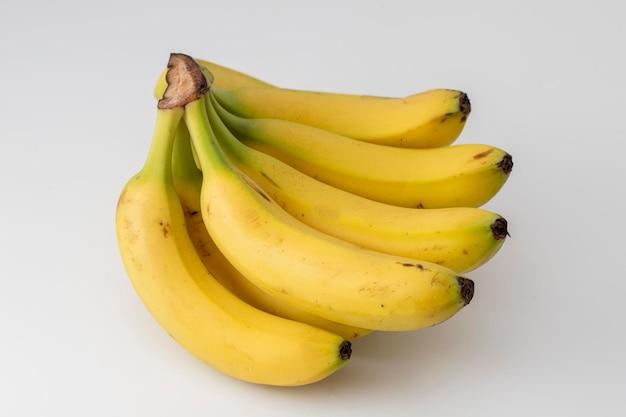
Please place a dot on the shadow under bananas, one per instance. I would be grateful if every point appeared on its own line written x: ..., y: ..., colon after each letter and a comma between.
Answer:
x: 389, y: 364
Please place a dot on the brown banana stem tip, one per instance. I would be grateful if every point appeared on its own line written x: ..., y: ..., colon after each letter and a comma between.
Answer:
x: 466, y: 289
x: 345, y: 350
x: 464, y: 104
x: 185, y: 82
x: 499, y: 228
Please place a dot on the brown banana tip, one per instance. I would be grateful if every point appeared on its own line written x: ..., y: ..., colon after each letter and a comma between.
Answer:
x: 506, y: 164
x: 466, y: 288
x: 464, y: 104
x: 345, y: 350
x: 499, y: 228
x: 185, y: 82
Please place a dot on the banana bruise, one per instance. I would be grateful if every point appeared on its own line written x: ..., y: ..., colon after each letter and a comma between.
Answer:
x: 199, y: 313
x: 188, y: 184
x: 459, y: 238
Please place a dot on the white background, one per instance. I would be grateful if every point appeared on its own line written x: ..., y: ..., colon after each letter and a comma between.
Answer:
x: 544, y: 334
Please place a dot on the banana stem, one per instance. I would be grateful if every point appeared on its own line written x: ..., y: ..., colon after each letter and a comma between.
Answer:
x: 235, y: 148
x: 187, y: 87
x: 183, y: 163
x: 158, y: 164
x: 207, y: 148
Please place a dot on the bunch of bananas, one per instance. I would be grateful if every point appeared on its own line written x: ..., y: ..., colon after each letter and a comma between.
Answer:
x: 269, y: 227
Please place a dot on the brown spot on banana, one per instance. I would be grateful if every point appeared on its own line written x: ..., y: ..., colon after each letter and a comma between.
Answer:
x: 483, y: 154
x: 267, y: 177
x: 412, y: 265
x: 166, y: 228
x: 256, y: 188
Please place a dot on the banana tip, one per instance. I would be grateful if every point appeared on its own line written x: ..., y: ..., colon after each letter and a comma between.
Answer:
x: 464, y: 104
x: 506, y: 164
x: 499, y: 228
x: 466, y: 289
x: 345, y: 350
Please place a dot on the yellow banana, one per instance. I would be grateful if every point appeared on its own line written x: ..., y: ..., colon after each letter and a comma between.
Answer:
x: 308, y: 269
x: 428, y: 119
x: 188, y: 183
x: 459, y: 175
x: 225, y: 78
x: 460, y: 238
x: 198, y: 312
x: 424, y: 120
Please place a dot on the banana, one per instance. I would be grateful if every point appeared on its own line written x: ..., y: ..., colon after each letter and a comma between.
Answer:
x: 306, y: 268
x: 188, y: 184
x: 459, y: 238
x: 428, y: 119
x: 227, y: 78
x: 199, y: 313
x: 424, y: 120
x: 459, y: 175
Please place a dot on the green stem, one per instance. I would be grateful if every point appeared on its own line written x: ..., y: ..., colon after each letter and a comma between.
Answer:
x: 228, y: 140
x: 183, y: 163
x: 208, y: 150
x: 158, y: 164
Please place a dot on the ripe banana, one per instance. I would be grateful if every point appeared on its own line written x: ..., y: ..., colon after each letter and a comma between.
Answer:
x: 425, y: 120
x: 459, y: 238
x: 190, y: 304
x: 459, y: 175
x: 188, y: 184
x: 308, y: 269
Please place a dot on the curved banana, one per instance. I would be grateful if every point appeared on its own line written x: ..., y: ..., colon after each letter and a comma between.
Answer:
x: 308, y: 269
x: 224, y: 77
x: 188, y: 184
x: 459, y: 238
x: 428, y: 119
x: 198, y: 312
x: 459, y: 175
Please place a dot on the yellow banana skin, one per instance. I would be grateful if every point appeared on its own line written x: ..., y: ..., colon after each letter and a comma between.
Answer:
x: 459, y: 238
x: 199, y: 313
x: 188, y: 184
x: 466, y: 175
x: 428, y: 119
x: 308, y: 269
